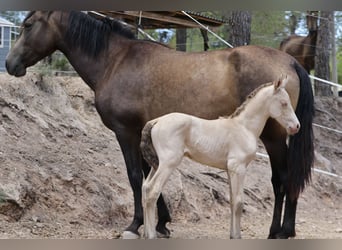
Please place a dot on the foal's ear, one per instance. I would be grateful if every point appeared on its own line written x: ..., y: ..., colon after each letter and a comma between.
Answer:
x: 281, y: 82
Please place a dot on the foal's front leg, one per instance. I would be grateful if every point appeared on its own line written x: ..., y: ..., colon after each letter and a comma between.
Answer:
x: 236, y: 175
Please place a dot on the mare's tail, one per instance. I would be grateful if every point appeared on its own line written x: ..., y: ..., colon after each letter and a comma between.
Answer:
x: 146, y: 145
x: 300, y: 155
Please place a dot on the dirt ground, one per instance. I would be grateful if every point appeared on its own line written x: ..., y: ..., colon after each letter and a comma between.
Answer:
x: 63, y: 175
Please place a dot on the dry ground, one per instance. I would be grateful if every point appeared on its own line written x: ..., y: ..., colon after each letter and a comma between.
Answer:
x: 63, y: 176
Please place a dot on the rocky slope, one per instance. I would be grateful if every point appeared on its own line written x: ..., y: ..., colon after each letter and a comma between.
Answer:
x: 63, y: 175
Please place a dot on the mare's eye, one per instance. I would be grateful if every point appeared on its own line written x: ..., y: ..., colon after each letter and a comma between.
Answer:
x: 284, y: 104
x: 27, y: 25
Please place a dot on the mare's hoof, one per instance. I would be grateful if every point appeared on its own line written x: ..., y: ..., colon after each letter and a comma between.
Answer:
x: 280, y: 235
x: 128, y: 235
x: 163, y: 232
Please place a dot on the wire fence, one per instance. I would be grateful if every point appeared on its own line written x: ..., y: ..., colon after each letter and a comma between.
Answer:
x: 217, y: 39
x: 316, y: 78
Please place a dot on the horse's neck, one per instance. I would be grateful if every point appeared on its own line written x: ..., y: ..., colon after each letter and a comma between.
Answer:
x: 90, y: 69
x: 313, y: 36
x: 255, y: 113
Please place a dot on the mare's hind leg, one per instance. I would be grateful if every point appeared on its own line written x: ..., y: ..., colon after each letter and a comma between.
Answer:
x: 163, y: 212
x: 277, y: 150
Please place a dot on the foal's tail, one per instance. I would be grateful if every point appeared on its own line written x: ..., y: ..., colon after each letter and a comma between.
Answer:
x: 300, y: 155
x: 146, y: 145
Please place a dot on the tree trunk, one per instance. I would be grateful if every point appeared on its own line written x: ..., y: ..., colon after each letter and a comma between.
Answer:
x: 205, y: 39
x: 293, y: 24
x: 181, y: 39
x: 322, y: 69
x: 240, y: 28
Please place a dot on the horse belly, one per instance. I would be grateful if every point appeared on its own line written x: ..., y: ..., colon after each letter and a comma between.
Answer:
x: 208, y: 149
x: 214, y: 145
x: 209, y: 160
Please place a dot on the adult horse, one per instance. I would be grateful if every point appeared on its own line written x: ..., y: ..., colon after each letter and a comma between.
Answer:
x: 135, y: 81
x: 303, y: 48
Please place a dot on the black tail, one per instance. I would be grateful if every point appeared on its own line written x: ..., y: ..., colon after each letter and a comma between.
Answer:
x: 300, y: 155
x: 146, y: 145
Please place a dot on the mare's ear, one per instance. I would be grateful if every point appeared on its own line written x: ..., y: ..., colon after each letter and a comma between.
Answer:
x: 281, y: 82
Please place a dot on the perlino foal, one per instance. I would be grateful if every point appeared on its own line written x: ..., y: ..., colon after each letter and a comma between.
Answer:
x: 228, y: 143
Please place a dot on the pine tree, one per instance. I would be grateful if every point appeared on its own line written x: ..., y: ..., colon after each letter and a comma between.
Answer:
x: 239, y: 32
x: 322, y: 69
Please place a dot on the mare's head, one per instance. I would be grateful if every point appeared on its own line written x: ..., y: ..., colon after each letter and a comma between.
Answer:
x: 312, y: 21
x: 38, y: 38
x: 280, y: 107
x: 43, y: 32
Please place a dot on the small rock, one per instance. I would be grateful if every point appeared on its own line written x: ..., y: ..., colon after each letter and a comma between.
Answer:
x: 116, y: 235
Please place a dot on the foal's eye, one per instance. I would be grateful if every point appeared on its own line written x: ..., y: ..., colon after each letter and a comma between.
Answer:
x: 284, y: 104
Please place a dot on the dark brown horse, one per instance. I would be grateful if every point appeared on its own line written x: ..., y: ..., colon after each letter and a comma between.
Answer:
x: 303, y: 47
x: 135, y: 81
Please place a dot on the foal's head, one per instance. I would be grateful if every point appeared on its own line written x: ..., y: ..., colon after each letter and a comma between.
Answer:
x: 280, y: 107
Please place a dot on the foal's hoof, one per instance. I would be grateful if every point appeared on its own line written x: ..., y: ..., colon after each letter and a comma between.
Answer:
x: 163, y: 232
x: 128, y: 235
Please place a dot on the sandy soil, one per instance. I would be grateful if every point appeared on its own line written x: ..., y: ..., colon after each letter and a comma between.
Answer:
x: 63, y: 175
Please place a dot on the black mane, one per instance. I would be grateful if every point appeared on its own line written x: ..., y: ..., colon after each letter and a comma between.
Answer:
x: 92, y: 35
x: 28, y: 16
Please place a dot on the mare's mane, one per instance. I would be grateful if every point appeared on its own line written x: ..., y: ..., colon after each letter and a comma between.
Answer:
x: 28, y: 16
x: 92, y: 35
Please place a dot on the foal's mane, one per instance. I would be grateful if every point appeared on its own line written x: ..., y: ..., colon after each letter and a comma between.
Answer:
x: 92, y: 35
x: 248, y: 99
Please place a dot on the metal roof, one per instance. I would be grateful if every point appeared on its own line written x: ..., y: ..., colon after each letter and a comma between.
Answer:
x: 160, y: 19
x: 4, y: 22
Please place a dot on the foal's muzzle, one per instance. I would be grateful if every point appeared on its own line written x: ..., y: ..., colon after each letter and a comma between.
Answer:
x: 293, y: 129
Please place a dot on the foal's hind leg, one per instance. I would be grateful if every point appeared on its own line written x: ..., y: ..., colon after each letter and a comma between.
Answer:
x: 163, y: 212
x: 151, y: 190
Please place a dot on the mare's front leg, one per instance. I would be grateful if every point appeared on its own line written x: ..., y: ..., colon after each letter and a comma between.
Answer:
x: 277, y: 151
x: 288, y: 226
x: 236, y: 174
x: 130, y: 145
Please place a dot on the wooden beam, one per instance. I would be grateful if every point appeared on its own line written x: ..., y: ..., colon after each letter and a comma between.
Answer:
x: 161, y: 19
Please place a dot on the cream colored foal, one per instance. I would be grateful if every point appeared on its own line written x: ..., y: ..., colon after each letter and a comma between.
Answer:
x: 228, y: 143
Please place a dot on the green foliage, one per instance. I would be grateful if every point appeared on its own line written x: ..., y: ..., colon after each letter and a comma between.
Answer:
x: 15, y: 17
x: 61, y: 63
x: 194, y: 40
x: 56, y: 65
x: 269, y: 28
x: 339, y: 65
